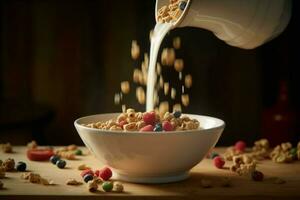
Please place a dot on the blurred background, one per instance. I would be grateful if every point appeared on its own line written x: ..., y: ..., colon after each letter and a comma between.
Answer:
x: 61, y: 60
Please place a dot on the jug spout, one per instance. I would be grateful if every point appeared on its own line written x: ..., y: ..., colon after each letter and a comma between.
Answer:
x: 245, y: 24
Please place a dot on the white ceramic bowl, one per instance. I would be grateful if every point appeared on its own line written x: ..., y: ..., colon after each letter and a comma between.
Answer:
x: 150, y: 157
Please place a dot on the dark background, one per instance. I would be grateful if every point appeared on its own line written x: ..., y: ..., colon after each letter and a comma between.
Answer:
x: 61, y: 60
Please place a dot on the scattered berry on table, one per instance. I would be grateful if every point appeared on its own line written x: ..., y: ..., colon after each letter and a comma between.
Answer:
x: 219, y: 162
x: 107, y: 186
x: 54, y: 159
x: 105, y: 173
x: 61, y: 164
x: 257, y: 175
x: 86, y: 171
x: 21, y: 166
x: 240, y: 146
x: 88, y: 177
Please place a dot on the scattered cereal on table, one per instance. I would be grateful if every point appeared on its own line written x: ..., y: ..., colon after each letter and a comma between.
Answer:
x: 83, y: 167
x: 206, y: 183
x: 6, y: 148
x: 9, y: 164
x: 72, y: 181
x: 92, y: 186
x: 32, y: 145
x: 118, y: 187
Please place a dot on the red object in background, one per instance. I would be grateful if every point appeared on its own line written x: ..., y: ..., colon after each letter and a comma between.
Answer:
x: 279, y: 121
x: 39, y: 154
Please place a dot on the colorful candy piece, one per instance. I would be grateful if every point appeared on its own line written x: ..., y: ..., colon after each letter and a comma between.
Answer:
x: 21, y: 166
x: 167, y: 126
x: 87, y: 171
x: 219, y: 162
x: 61, y: 164
x: 88, y: 177
x: 147, y: 128
x: 240, y: 146
x: 107, y: 186
x: 53, y: 159
x: 105, y: 173
x: 149, y: 118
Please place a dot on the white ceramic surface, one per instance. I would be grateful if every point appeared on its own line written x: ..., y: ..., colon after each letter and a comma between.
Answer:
x: 241, y: 23
x: 150, y: 157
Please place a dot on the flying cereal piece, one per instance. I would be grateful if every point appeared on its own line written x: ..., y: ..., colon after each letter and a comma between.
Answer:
x: 135, y: 50
x: 176, y: 42
x: 158, y: 69
x: 185, y: 99
x: 125, y: 87
x: 173, y: 93
x: 117, y: 99
x: 188, y: 81
x: 166, y: 88
x: 140, y: 95
x: 177, y: 107
x: 178, y: 65
x: 163, y: 108
x: 161, y: 81
x: 168, y: 56
x: 137, y: 74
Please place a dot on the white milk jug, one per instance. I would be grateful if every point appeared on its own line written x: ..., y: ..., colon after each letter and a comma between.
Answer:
x: 241, y: 23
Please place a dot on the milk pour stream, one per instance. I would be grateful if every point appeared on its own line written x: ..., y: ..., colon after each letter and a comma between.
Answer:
x: 160, y: 30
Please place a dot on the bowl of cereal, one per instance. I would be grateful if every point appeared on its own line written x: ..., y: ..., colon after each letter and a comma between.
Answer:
x: 146, y: 148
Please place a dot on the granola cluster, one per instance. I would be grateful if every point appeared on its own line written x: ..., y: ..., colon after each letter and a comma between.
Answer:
x: 170, y: 13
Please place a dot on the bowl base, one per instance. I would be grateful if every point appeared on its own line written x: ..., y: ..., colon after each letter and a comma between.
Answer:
x: 152, y: 179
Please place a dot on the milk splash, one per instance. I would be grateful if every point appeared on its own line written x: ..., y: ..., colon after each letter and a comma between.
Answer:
x: 160, y: 31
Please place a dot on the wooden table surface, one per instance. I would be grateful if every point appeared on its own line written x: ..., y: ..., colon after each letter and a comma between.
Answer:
x: 242, y: 187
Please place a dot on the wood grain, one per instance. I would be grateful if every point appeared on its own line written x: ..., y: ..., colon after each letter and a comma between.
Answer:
x: 242, y: 187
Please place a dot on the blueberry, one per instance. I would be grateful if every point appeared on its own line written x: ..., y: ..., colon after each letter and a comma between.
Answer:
x: 53, y: 159
x: 21, y: 166
x: 177, y: 114
x: 182, y: 5
x: 88, y: 177
x: 213, y: 155
x: 158, y: 127
x: 61, y: 164
x: 78, y: 152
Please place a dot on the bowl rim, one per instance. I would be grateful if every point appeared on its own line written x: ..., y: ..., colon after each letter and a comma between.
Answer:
x: 99, y: 131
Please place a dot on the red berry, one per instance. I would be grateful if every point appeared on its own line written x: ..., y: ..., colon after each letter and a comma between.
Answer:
x: 149, y: 118
x: 257, y: 176
x: 122, y: 123
x: 39, y: 154
x: 105, y: 173
x: 86, y: 171
x: 147, y: 128
x: 167, y: 126
x: 219, y: 162
x: 240, y: 146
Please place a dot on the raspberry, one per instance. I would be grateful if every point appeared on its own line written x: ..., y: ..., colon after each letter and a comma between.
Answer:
x: 219, y: 162
x: 167, y: 126
x: 105, y: 173
x: 85, y: 172
x: 147, y: 128
x: 240, y: 146
x: 97, y: 172
x: 149, y: 118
